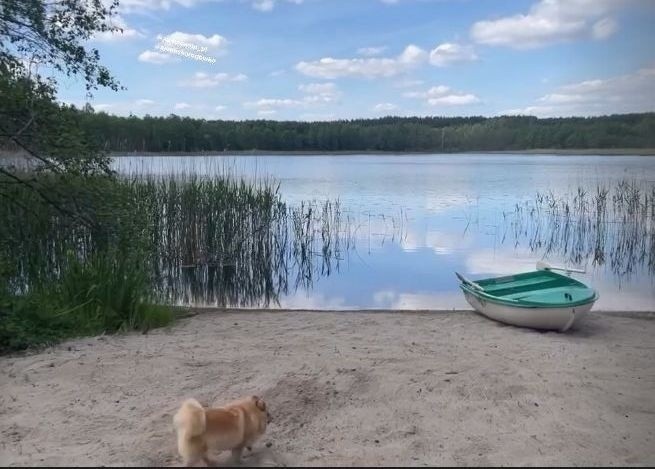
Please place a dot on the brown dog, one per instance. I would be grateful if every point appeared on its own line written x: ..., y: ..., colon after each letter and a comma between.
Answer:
x: 233, y: 426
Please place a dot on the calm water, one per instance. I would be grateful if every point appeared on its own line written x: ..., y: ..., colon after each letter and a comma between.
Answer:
x: 414, y: 220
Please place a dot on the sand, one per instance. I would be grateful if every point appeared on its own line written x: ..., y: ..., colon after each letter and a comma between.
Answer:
x: 345, y: 389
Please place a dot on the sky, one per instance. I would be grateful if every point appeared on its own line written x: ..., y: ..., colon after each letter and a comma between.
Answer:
x: 343, y: 59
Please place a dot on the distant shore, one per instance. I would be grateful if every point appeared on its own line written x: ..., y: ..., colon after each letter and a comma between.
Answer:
x: 545, y: 151
x: 8, y: 154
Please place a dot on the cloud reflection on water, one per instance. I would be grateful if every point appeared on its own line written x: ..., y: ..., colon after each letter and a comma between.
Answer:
x: 416, y: 219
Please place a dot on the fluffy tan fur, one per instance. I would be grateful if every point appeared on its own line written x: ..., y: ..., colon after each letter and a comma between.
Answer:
x: 231, y: 427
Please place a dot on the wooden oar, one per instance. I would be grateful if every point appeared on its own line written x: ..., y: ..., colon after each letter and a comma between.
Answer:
x: 541, y: 265
x: 466, y: 281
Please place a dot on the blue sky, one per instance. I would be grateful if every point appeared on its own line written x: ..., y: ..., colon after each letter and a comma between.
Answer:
x: 333, y: 59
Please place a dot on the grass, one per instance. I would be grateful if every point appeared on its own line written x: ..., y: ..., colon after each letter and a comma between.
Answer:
x: 104, y: 294
x: 136, y: 243
x: 102, y: 271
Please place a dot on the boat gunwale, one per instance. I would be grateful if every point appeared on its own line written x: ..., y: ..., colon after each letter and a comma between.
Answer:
x: 529, y: 304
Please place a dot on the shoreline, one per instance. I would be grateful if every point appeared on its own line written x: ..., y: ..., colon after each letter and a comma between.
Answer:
x: 190, y: 311
x: 533, y: 152
x: 410, y: 387
x: 5, y: 154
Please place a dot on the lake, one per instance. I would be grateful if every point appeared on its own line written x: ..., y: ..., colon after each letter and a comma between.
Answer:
x: 413, y: 220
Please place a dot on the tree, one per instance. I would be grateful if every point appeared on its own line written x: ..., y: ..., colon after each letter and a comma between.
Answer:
x: 49, y: 35
x: 52, y: 34
x: 431, y: 134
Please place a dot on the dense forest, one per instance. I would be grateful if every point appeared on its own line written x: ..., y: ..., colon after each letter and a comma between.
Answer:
x: 439, y: 134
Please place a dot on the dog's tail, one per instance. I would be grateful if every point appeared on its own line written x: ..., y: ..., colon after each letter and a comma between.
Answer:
x: 189, y: 420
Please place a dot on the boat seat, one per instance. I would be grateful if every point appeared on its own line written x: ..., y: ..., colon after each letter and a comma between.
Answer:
x: 570, y: 293
x: 509, y: 290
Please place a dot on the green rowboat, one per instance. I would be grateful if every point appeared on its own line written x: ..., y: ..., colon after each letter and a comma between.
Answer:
x: 541, y: 299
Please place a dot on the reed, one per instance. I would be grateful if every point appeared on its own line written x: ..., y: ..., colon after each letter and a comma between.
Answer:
x: 141, y: 241
x: 612, y: 227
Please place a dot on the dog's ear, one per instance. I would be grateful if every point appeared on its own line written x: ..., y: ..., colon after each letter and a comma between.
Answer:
x: 261, y: 405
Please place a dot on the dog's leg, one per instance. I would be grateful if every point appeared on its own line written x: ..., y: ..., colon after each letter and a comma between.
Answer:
x: 236, y: 455
x: 192, y: 461
x: 210, y: 462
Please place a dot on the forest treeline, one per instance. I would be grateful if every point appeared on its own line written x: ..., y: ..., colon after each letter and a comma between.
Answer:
x: 439, y: 134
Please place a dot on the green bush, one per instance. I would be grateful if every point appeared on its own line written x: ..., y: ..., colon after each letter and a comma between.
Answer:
x: 108, y: 293
x: 109, y: 250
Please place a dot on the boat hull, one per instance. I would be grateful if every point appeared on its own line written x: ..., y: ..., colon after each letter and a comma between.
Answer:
x: 555, y: 318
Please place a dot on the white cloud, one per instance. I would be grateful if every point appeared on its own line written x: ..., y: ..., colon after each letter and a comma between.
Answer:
x: 318, y: 99
x: 205, y: 80
x: 184, y: 42
x: 144, y: 102
x: 320, y: 92
x: 126, y: 33
x: 270, y: 104
x: 371, y: 51
x: 144, y: 5
x: 103, y: 107
x: 412, y: 55
x: 443, y: 95
x: 449, y: 53
x: 385, y: 107
x: 550, y: 21
x: 604, y: 28
x: 315, y: 94
x: 266, y: 112
x: 454, y: 100
x: 329, y: 67
x: 318, y: 88
x: 152, y: 5
x: 214, y: 43
x: 198, y: 110
x: 539, y: 111
x: 633, y: 92
x: 119, y: 22
x: 434, y: 91
x: 137, y: 106
x: 155, y: 57
x: 263, y: 5
x: 141, y: 107
x: 563, y: 98
x: 268, y: 5
x: 277, y: 73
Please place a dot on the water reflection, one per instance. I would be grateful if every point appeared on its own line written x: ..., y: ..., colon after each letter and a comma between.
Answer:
x: 271, y: 254
x: 405, y: 223
x: 613, y: 226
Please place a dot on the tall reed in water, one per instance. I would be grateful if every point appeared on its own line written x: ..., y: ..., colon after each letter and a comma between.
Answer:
x: 610, y: 226
x: 174, y: 239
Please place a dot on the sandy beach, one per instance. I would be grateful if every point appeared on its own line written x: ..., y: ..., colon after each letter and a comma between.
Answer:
x: 396, y: 388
